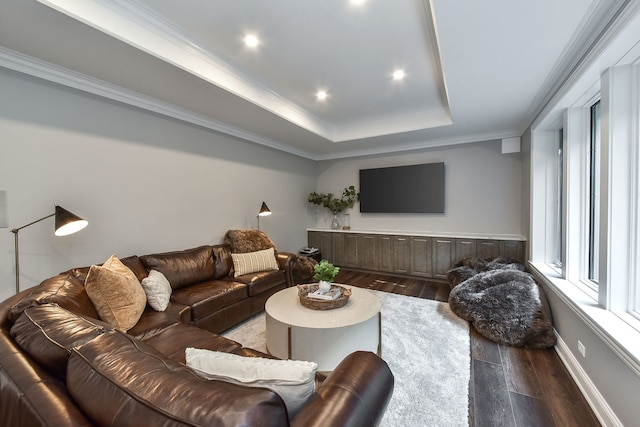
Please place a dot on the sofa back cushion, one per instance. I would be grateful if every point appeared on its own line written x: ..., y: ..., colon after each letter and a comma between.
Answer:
x: 64, y: 289
x: 119, y: 380
x: 223, y: 261
x: 183, y: 268
x: 133, y: 262
x: 47, y: 333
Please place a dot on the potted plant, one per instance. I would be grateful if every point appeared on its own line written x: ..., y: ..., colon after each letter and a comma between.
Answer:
x: 325, y: 272
x: 334, y: 204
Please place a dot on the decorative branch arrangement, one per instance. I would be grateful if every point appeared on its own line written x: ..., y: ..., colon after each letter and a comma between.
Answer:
x: 335, y: 205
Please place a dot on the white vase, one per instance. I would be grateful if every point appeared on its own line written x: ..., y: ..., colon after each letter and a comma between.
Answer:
x: 324, y: 286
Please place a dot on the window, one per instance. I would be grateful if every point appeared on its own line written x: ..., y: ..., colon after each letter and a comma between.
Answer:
x: 585, y: 205
x: 559, y: 200
x: 594, y: 197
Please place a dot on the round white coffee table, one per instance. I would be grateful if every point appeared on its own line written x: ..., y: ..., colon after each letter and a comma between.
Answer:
x: 322, y: 336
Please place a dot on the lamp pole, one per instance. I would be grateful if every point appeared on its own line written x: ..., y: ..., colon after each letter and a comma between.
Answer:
x: 15, y: 233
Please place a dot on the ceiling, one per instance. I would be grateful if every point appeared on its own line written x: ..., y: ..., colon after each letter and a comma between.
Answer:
x: 474, y: 70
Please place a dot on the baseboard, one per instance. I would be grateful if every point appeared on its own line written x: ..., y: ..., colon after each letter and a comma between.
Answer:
x: 598, y: 404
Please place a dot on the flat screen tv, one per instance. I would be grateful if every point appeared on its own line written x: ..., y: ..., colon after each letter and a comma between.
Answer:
x: 403, y: 189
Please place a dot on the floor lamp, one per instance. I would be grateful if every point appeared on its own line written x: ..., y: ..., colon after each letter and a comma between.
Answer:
x: 66, y: 223
x: 264, y: 211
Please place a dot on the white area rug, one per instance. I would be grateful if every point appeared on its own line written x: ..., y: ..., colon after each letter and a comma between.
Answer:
x: 427, y: 348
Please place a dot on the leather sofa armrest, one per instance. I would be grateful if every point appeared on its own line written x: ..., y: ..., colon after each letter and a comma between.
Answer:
x: 355, y: 394
x: 285, y: 262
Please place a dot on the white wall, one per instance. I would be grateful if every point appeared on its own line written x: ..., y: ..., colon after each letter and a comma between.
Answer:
x: 144, y: 182
x: 482, y: 190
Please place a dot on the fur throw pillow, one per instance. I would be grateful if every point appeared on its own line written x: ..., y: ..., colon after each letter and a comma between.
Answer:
x: 243, y: 241
x: 506, y: 306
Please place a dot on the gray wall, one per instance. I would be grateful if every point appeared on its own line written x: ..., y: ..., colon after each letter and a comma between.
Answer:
x: 482, y: 190
x: 144, y: 182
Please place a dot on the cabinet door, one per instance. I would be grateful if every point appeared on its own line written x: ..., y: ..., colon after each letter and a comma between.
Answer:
x: 513, y: 249
x: 368, y: 251
x: 384, y: 253
x: 488, y: 249
x: 421, y: 264
x: 337, y: 248
x: 326, y: 246
x: 313, y: 239
x: 350, y: 255
x: 443, y: 252
x: 401, y: 254
x: 465, y: 248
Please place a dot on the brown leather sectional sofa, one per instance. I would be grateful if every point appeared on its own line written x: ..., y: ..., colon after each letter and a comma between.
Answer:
x: 62, y: 366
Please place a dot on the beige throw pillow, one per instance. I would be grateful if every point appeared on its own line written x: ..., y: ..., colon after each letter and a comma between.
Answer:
x: 252, y: 262
x: 116, y: 293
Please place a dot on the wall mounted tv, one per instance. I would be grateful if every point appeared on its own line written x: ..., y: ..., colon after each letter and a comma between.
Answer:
x: 403, y: 189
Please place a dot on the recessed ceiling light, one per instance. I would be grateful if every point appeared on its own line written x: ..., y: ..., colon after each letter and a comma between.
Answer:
x: 398, y: 75
x: 321, y: 94
x: 358, y: 2
x: 251, y: 40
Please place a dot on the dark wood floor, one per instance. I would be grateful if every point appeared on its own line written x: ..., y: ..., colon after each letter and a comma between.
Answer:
x: 509, y: 386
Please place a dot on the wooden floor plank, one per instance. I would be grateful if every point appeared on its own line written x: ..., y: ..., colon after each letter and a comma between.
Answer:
x: 567, y: 404
x: 519, y: 372
x: 491, y: 403
x: 530, y: 412
x: 483, y: 349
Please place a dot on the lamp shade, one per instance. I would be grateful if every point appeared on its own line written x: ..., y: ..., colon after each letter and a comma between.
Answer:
x: 68, y: 223
x: 264, y: 210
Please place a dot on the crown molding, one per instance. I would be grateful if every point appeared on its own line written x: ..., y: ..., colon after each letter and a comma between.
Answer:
x: 50, y: 72
x: 602, y: 23
x: 421, y: 145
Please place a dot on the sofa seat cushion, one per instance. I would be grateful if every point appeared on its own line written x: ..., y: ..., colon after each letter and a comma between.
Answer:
x: 174, y: 340
x: 120, y: 381
x: 152, y: 320
x: 208, y: 297
x: 258, y: 283
x: 64, y: 289
x: 47, y: 333
x: 183, y: 268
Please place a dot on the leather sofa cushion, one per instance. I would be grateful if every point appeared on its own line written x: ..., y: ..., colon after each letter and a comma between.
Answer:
x: 174, y: 340
x: 32, y: 396
x: 47, y: 332
x: 64, y: 289
x: 133, y: 262
x: 208, y: 297
x: 137, y: 386
x: 223, y: 260
x: 258, y: 283
x: 154, y: 320
x: 183, y: 268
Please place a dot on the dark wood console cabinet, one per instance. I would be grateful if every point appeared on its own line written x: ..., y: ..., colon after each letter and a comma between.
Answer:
x: 417, y: 255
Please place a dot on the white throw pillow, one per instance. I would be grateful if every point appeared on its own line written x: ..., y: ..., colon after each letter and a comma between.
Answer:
x: 292, y: 380
x: 253, y: 262
x: 158, y: 290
